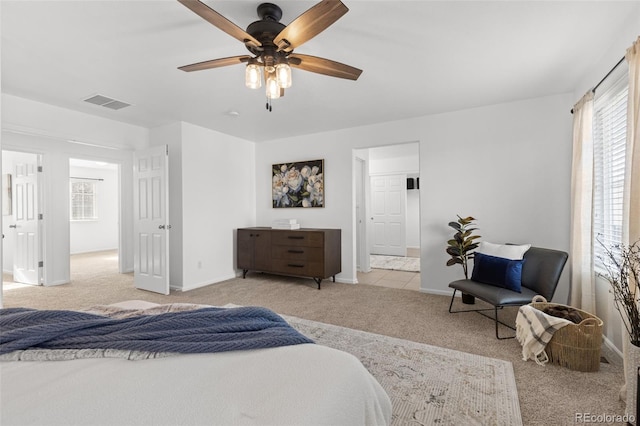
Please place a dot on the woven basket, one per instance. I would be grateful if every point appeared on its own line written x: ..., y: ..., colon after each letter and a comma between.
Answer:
x: 575, y: 346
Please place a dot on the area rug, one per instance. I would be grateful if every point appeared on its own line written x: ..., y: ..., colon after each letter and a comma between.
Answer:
x: 428, y: 385
x: 396, y: 263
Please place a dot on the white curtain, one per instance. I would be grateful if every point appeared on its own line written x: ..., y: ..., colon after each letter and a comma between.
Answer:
x: 631, y: 211
x: 631, y: 204
x: 582, y: 273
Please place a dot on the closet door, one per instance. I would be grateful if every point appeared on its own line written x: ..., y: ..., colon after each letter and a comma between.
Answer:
x: 26, y: 268
x: 151, y: 220
x: 389, y: 214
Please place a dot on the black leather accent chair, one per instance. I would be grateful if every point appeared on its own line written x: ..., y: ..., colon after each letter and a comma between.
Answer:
x: 540, y: 275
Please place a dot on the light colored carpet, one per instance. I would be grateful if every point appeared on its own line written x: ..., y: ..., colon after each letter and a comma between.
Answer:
x: 395, y: 263
x: 548, y: 395
x: 428, y: 385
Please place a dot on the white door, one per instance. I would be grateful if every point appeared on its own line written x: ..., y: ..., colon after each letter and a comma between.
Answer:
x: 151, y: 220
x: 26, y: 267
x: 389, y: 206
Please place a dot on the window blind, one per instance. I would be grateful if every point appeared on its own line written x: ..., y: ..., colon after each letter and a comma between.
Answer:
x: 609, y: 142
x: 83, y: 200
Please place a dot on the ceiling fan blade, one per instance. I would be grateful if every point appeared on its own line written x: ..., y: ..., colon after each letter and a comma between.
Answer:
x: 324, y: 66
x: 310, y: 24
x: 214, y: 18
x: 215, y: 63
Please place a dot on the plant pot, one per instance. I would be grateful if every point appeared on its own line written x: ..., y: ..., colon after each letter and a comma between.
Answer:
x: 468, y: 299
x: 631, y: 362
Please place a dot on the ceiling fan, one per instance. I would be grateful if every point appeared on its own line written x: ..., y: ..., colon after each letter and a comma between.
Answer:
x: 271, y: 44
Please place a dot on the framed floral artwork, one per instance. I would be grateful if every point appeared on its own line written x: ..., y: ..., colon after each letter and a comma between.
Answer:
x: 298, y: 184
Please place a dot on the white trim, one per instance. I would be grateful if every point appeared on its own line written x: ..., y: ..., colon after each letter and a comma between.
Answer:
x: 609, y: 344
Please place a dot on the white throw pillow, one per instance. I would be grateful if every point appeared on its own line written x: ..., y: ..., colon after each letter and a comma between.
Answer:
x: 506, y: 251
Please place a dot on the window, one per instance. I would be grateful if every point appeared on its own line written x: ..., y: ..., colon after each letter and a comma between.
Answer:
x: 83, y: 200
x: 609, y: 143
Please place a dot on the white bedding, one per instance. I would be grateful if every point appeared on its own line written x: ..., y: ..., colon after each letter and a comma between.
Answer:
x: 294, y: 385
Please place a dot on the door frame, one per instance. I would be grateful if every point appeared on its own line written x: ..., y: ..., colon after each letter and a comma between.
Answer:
x: 363, y: 152
x: 361, y: 225
x: 52, y: 162
x: 119, y: 165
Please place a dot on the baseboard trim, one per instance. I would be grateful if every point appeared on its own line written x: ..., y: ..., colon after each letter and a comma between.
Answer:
x: 205, y: 283
x: 613, y: 348
x: 436, y: 292
x: 56, y: 283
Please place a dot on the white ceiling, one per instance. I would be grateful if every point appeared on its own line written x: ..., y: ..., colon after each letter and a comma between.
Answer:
x: 418, y: 57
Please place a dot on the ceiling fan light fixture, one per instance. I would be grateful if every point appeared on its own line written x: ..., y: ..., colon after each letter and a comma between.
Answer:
x: 253, y: 76
x: 273, y: 89
x: 268, y: 63
x: 283, y: 74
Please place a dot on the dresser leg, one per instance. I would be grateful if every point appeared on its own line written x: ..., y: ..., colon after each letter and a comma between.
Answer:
x: 244, y: 273
x: 318, y: 281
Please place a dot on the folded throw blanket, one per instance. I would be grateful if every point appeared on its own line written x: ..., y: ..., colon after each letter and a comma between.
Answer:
x: 534, y: 329
x: 198, y: 331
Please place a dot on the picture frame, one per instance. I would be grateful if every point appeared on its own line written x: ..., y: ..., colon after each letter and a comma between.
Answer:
x: 298, y: 184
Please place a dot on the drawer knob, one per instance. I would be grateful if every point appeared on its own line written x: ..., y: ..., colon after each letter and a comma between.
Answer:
x: 296, y: 251
x: 294, y: 237
x: 293, y: 265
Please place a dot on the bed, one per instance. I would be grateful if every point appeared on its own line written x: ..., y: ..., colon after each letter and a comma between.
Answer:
x: 297, y: 384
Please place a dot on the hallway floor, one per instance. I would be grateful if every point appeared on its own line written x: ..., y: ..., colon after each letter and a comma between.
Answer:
x: 395, y: 279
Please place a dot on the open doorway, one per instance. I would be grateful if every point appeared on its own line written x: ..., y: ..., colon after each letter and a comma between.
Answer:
x: 388, y: 245
x: 94, y: 218
x: 21, y: 227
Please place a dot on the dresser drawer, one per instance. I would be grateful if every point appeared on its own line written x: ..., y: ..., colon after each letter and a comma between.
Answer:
x: 298, y: 267
x: 298, y: 238
x: 296, y: 253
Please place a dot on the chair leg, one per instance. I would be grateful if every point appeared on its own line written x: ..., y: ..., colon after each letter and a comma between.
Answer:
x: 481, y: 312
x: 452, y: 298
x: 497, y: 321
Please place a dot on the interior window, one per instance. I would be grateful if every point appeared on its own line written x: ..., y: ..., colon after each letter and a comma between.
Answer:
x: 83, y: 200
x: 609, y: 142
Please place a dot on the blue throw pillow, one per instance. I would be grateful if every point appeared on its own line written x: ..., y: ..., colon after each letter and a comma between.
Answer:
x: 498, y: 271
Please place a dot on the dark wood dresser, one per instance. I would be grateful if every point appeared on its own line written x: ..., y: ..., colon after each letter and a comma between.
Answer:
x: 312, y: 253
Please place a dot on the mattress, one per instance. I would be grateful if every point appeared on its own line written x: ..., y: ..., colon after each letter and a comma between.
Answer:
x: 306, y: 384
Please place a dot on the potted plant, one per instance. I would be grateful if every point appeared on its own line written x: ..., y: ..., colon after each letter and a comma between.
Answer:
x: 461, y: 247
x: 622, y: 265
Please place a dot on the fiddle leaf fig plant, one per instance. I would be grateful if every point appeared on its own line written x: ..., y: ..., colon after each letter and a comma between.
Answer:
x: 461, y: 246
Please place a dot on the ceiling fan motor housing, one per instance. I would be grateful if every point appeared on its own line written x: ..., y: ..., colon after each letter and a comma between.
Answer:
x: 266, y: 29
x: 269, y: 12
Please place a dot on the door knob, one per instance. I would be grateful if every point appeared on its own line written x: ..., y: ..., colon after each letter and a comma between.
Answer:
x: 160, y: 226
x: 13, y: 226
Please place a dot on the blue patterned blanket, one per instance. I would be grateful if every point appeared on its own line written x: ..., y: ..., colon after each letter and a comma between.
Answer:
x: 198, y: 331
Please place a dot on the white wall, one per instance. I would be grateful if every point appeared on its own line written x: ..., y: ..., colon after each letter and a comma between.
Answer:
x: 101, y: 233
x: 35, y: 127
x: 509, y: 167
x: 500, y: 151
x: 215, y: 181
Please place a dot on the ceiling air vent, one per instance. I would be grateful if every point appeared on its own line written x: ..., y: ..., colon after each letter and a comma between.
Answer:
x: 106, y: 102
